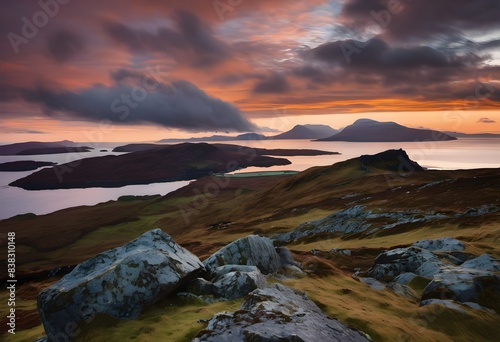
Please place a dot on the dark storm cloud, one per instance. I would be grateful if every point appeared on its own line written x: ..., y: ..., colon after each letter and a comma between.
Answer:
x: 177, y: 105
x: 64, y: 44
x: 377, y: 54
x: 192, y: 40
x: 405, y: 19
x: 125, y: 74
x: 274, y: 83
x: 377, y: 62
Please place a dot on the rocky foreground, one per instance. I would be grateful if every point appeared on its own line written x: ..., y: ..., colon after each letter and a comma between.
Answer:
x: 122, y: 282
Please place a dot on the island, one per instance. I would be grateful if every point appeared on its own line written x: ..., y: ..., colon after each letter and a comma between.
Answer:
x: 158, y: 163
x: 24, y: 165
x: 37, y: 147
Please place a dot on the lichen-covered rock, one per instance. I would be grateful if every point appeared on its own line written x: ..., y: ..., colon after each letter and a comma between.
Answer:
x: 483, y: 262
x: 402, y: 290
x: 373, y: 283
x: 405, y: 278
x: 357, y: 219
x: 118, y: 283
x: 238, y: 284
x: 277, y: 313
x: 447, y: 303
x: 222, y: 270
x: 442, y: 244
x: 291, y: 271
x: 390, y: 264
x: 251, y: 250
x: 465, y: 285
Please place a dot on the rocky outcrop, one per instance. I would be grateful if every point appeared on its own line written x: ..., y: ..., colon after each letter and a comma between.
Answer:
x: 277, y: 313
x: 443, y: 244
x: 465, y: 285
x: 484, y: 262
x: 238, y: 284
x: 354, y: 220
x: 118, y: 283
x: 416, y: 260
x: 239, y: 268
x: 452, y: 274
x: 251, y: 250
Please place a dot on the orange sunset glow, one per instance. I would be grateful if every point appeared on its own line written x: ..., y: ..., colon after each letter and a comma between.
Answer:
x: 173, y: 69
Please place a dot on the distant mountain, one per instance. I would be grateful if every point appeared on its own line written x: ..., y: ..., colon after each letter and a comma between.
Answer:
x: 473, y: 135
x: 367, y: 130
x: 298, y: 132
x: 244, y: 136
x: 307, y: 132
x: 37, y: 147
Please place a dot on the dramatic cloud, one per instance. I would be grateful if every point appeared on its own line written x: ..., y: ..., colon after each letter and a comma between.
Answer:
x: 377, y: 54
x: 406, y: 19
x: 312, y: 57
x: 486, y: 120
x: 273, y: 84
x: 63, y: 45
x: 177, y: 105
x: 191, y: 40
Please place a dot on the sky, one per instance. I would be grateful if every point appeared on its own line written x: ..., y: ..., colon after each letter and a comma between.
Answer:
x: 145, y: 70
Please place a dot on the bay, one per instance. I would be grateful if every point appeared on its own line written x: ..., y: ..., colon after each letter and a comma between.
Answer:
x: 465, y: 153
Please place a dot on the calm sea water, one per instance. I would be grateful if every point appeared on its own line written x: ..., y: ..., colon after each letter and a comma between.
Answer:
x: 446, y: 155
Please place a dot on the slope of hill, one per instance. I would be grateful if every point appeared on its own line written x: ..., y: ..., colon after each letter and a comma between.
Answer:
x: 340, y: 219
x: 367, y: 130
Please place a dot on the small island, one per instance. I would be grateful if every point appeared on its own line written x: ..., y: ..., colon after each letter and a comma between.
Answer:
x: 38, y: 147
x: 23, y: 165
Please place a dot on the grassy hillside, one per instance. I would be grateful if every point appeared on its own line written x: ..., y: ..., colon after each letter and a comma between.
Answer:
x: 214, y: 211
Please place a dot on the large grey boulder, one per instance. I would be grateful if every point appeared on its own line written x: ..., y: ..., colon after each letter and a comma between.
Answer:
x: 251, y: 250
x: 238, y: 284
x: 118, y: 283
x: 442, y: 244
x: 222, y: 270
x: 276, y: 313
x: 483, y: 262
x: 465, y: 285
x: 405, y: 278
x: 392, y: 263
